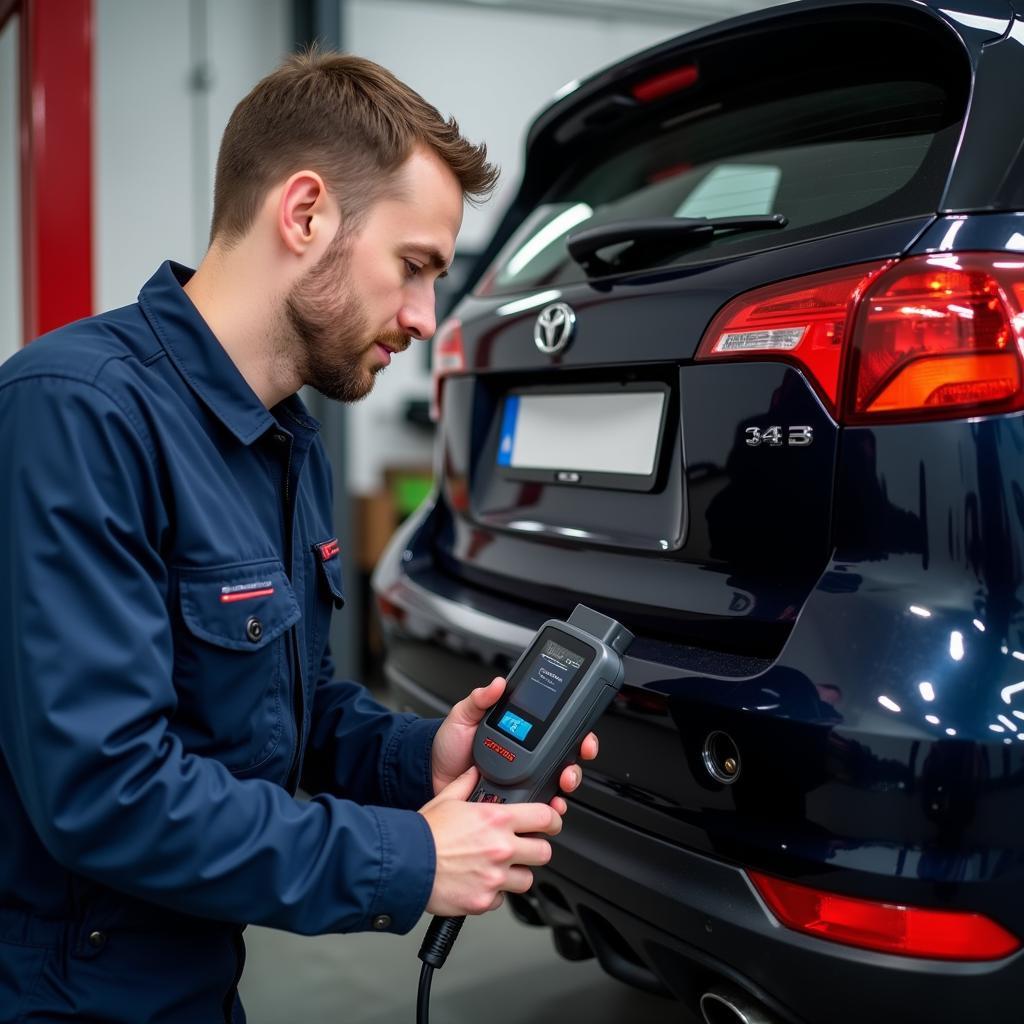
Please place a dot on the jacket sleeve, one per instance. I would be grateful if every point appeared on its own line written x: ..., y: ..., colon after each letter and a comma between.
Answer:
x: 359, y: 749
x: 85, y: 638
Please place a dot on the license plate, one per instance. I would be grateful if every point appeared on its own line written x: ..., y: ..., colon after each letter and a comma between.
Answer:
x: 608, y: 437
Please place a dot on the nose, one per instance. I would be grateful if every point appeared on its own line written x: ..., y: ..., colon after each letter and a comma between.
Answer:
x: 417, y: 317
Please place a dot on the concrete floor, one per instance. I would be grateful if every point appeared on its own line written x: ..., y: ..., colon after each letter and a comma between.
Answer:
x: 501, y: 972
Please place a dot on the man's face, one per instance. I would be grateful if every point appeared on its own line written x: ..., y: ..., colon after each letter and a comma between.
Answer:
x: 372, y: 292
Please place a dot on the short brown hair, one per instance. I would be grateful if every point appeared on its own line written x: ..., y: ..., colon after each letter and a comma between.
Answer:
x: 346, y: 118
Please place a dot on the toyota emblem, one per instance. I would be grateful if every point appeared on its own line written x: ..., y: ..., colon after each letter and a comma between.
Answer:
x: 554, y: 328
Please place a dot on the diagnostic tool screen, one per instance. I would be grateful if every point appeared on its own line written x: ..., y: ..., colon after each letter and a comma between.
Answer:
x: 552, y: 670
x: 540, y: 687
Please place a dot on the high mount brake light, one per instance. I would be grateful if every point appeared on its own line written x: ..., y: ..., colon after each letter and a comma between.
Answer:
x: 447, y: 357
x: 885, y: 927
x: 666, y: 83
x: 929, y: 337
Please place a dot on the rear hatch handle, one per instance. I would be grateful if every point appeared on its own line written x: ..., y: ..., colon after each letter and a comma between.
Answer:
x: 657, y: 235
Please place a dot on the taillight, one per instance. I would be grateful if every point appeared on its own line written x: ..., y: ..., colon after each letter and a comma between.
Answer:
x: 666, y: 83
x: 939, y: 335
x: 447, y: 357
x: 804, y: 321
x: 885, y: 927
x: 930, y: 337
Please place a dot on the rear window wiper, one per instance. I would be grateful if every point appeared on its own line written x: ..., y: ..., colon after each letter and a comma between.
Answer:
x: 657, y: 235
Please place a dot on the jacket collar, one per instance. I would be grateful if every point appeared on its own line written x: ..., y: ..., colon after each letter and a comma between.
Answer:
x: 200, y: 357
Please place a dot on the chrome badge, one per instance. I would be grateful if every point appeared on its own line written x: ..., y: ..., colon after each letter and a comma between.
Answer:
x: 554, y: 328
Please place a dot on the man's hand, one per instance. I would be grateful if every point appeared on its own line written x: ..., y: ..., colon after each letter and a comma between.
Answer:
x: 481, y: 851
x: 452, y: 752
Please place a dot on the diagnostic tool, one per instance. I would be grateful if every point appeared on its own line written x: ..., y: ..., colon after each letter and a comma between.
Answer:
x: 556, y: 691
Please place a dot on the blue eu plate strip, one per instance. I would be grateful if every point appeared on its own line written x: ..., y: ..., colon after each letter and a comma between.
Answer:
x: 514, y: 725
x: 508, y: 430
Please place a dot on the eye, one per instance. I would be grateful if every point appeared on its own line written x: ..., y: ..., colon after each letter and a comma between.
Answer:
x: 411, y: 269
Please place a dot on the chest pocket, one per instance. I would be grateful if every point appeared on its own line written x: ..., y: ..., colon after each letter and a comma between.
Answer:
x: 231, y: 661
x: 327, y: 594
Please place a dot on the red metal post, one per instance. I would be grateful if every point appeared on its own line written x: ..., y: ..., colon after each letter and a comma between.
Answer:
x: 56, y: 162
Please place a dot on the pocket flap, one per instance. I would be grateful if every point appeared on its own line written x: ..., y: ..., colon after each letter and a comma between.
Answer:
x: 328, y: 556
x: 330, y: 571
x: 240, y: 607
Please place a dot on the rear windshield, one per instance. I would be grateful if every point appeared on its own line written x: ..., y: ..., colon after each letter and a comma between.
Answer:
x: 830, y: 158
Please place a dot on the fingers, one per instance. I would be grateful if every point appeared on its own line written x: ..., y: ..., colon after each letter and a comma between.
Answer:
x: 559, y: 805
x: 570, y: 778
x: 534, y: 818
x: 460, y: 788
x: 519, y: 879
x: 471, y: 710
x: 588, y: 748
x: 485, y: 697
x: 529, y: 851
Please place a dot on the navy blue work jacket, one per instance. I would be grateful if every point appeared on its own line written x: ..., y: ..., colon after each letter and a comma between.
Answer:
x: 169, y: 569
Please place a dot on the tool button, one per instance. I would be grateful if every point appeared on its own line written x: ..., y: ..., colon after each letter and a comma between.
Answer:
x: 97, y: 940
x: 254, y: 629
x: 382, y: 922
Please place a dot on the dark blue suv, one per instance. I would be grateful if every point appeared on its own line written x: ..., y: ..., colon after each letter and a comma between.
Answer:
x: 745, y: 370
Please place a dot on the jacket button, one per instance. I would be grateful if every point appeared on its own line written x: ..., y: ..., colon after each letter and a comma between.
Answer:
x: 254, y: 629
x: 382, y: 922
x: 97, y: 940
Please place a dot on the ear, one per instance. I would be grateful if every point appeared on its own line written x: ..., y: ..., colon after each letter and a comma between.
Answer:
x: 303, y: 212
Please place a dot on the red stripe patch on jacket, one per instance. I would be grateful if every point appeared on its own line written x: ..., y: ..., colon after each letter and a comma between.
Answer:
x: 246, y: 591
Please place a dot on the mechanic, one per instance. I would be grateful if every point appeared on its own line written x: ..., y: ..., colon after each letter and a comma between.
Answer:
x: 170, y: 570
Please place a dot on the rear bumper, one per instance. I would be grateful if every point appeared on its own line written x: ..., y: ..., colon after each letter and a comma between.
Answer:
x: 693, y: 921
x: 665, y: 918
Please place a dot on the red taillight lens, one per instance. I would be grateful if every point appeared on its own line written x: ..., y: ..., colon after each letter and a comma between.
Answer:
x: 447, y: 357
x: 389, y: 610
x: 885, y: 927
x: 803, y: 321
x: 938, y: 334
x: 930, y: 337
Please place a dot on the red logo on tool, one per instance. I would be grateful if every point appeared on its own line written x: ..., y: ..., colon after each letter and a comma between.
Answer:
x: 328, y: 549
x: 499, y: 749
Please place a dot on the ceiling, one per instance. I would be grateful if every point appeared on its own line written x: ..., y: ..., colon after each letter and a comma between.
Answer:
x: 666, y: 12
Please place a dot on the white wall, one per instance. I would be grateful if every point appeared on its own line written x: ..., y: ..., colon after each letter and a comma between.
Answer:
x: 494, y: 71
x: 157, y: 129
x: 10, y: 200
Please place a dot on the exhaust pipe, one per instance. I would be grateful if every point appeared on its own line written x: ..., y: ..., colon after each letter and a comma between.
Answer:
x: 731, y: 1006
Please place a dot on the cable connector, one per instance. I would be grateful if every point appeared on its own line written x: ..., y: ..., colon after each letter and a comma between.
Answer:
x: 607, y: 630
x: 438, y: 941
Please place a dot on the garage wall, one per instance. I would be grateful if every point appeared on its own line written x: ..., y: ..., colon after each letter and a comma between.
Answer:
x: 167, y: 78
x: 10, y: 203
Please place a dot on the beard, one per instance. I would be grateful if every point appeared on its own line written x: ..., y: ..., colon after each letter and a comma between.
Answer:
x: 330, y: 326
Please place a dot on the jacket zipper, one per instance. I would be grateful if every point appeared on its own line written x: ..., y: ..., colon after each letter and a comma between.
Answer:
x: 298, y: 701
